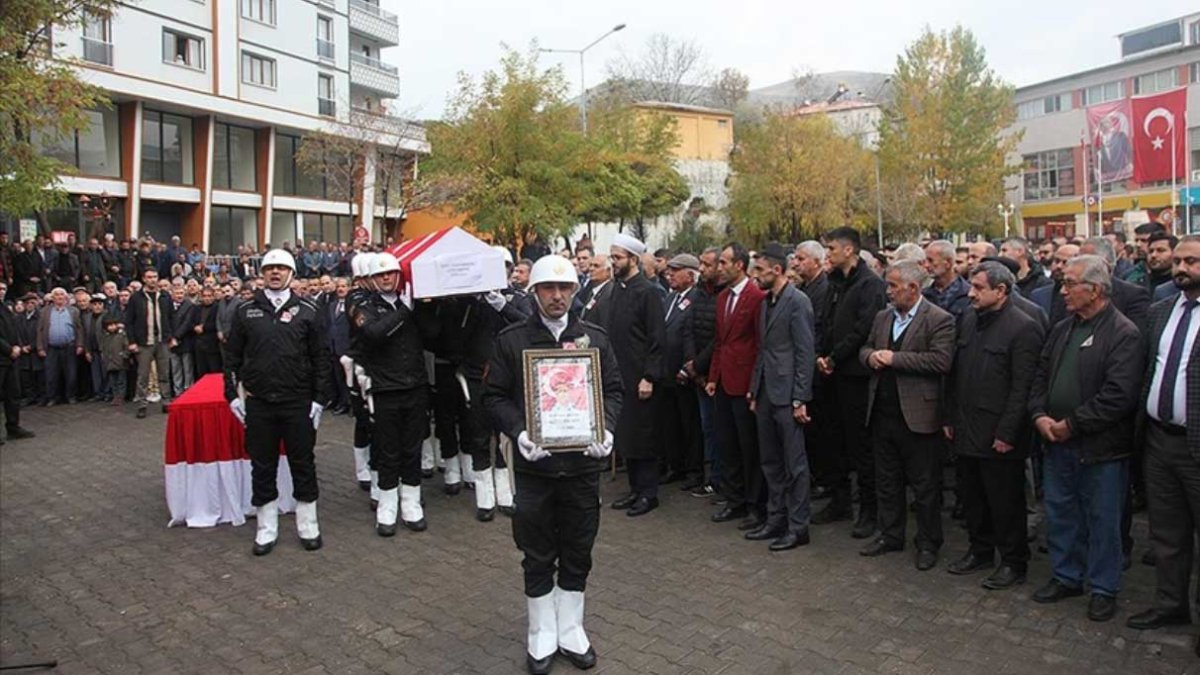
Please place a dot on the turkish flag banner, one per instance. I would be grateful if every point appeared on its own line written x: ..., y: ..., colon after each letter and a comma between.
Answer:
x: 1158, y: 124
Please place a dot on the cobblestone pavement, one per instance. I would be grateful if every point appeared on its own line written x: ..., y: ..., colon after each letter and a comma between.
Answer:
x: 91, y: 576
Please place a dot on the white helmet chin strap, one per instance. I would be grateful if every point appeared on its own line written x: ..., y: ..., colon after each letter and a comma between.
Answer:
x: 538, y: 301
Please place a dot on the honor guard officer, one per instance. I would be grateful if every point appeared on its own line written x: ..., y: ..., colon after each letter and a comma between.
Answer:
x: 360, y: 267
x: 558, y: 495
x: 396, y: 387
x: 276, y: 354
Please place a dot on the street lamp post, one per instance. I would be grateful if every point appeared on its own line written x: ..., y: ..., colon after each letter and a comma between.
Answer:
x: 582, y: 83
x: 1007, y: 212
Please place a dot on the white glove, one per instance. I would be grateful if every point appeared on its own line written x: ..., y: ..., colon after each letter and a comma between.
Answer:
x: 348, y: 368
x: 238, y: 407
x: 314, y: 414
x: 601, y: 450
x: 530, y: 451
x: 496, y: 300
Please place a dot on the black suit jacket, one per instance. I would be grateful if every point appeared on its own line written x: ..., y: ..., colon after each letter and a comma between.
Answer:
x: 183, y: 323
x: 206, y: 342
x: 597, y: 308
x: 675, y: 325
x: 337, y: 328
x: 135, y: 317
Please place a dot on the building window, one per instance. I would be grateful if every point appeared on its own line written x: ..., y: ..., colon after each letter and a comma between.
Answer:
x: 327, y: 227
x: 234, y: 158
x: 1152, y: 38
x: 283, y: 228
x: 325, y: 101
x: 259, y: 10
x: 1152, y: 83
x: 1049, y: 175
x: 1043, y: 106
x: 290, y: 180
x: 258, y: 70
x: 325, y: 49
x: 97, y: 38
x: 166, y: 148
x: 231, y: 227
x: 95, y: 149
x: 1102, y: 93
x: 1194, y: 72
x: 183, y: 50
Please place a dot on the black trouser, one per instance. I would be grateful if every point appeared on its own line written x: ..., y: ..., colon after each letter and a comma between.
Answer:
x: 207, y: 362
x: 681, y: 417
x: 60, y: 365
x: 902, y: 459
x: 821, y: 436
x: 448, y: 405
x: 401, y: 424
x: 555, y: 527
x: 993, y: 498
x: 362, y: 423
x: 473, y: 428
x: 267, y: 424
x: 10, y: 393
x: 741, y: 471
x: 851, y: 444
x: 341, y: 391
x: 643, y: 477
x: 1173, y: 494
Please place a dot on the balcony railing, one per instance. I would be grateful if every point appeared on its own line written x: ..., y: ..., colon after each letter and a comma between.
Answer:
x: 389, y: 123
x: 97, y: 51
x: 327, y: 107
x: 375, y: 10
x: 325, y: 50
x: 375, y: 63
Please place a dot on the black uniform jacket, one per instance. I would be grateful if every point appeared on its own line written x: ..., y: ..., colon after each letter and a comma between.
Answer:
x: 504, y: 388
x: 278, y: 356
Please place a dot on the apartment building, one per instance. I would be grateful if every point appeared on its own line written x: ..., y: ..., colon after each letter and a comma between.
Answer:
x: 1050, y: 192
x: 210, y: 99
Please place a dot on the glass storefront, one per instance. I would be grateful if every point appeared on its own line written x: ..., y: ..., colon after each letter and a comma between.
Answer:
x: 231, y: 227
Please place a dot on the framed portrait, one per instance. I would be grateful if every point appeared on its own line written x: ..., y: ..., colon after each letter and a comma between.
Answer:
x: 564, y: 402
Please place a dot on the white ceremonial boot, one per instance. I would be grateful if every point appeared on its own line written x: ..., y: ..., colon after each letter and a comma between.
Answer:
x: 504, y: 492
x: 385, y: 513
x: 268, y: 528
x: 572, y: 641
x: 411, y: 512
x: 362, y: 472
x: 374, y: 489
x: 542, y: 641
x: 485, y: 496
x: 453, y: 475
x: 306, y: 525
x: 467, y: 462
x: 428, y: 461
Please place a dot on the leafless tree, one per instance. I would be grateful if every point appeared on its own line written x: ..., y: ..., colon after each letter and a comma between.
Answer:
x: 668, y: 70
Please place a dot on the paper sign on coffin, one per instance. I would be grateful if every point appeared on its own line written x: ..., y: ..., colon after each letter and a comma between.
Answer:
x: 450, y: 262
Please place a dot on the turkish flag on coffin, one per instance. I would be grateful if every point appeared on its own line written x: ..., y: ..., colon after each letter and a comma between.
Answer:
x: 1158, y: 121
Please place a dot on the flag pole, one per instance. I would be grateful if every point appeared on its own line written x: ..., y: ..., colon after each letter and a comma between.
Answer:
x: 1099, y: 198
x: 1174, y: 191
x: 1087, y: 213
x: 1187, y: 176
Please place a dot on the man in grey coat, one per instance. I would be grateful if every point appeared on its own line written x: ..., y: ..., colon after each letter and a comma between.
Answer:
x: 780, y: 389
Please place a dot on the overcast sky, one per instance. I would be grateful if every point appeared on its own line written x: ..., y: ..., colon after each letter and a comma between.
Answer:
x: 1026, y: 41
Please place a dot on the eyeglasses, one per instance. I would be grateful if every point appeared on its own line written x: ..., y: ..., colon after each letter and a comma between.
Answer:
x: 1071, y: 283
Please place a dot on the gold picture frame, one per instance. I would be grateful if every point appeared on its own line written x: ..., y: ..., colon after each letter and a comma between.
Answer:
x: 564, y: 399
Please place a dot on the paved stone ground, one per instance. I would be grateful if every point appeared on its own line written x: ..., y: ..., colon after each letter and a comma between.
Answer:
x: 90, y: 575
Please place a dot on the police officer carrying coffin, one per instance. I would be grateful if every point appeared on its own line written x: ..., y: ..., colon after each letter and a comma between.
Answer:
x: 558, y: 495
x: 360, y: 267
x: 396, y: 387
x: 277, y: 356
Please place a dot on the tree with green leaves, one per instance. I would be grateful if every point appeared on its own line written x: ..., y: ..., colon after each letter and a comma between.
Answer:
x: 795, y: 176
x: 944, y: 139
x: 42, y: 99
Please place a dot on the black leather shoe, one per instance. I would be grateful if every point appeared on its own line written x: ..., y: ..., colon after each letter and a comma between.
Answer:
x: 415, y: 525
x: 727, y: 514
x: 374, y: 504
x: 642, y: 506
x: 692, y: 484
x: 485, y: 515
x: 141, y: 413
x: 364, y: 485
x: 1102, y: 607
x: 625, y: 502
x: 926, y: 560
x: 313, y: 544
x: 539, y: 666
x: 164, y: 407
x: 426, y: 473
x: 263, y: 549
x: 788, y: 541
x: 763, y: 533
x: 509, y: 511
x: 865, y: 526
x: 968, y: 563
x: 1054, y: 590
x: 385, y: 530
x: 16, y: 433
x: 452, y: 488
x: 832, y: 513
x: 1152, y: 619
x: 879, y: 547
x: 584, y: 661
x: 753, y: 521
x: 1005, y: 576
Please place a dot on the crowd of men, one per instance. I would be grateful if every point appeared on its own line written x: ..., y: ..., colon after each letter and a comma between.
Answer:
x: 763, y: 382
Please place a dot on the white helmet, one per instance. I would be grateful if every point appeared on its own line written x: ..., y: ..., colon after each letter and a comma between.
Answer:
x: 383, y: 263
x: 552, y: 269
x: 356, y: 265
x: 506, y: 253
x: 278, y: 256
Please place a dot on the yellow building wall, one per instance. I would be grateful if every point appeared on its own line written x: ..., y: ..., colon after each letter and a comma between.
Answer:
x: 421, y: 223
x: 701, y: 135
